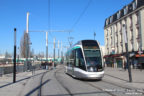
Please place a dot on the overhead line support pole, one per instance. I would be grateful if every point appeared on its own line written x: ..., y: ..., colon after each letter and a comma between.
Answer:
x: 47, y: 46
x: 127, y: 53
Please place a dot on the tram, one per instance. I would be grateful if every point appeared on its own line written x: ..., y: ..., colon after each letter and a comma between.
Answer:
x: 84, y: 60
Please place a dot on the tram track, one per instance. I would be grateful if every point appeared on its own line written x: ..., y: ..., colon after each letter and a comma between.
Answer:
x: 94, y: 86
x: 58, y: 80
x: 115, y: 89
x: 41, y: 81
x: 126, y: 88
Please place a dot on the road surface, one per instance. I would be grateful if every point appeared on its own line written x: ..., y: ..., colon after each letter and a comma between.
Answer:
x: 57, y: 83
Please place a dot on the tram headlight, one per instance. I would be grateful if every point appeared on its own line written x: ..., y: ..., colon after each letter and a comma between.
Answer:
x: 91, y: 69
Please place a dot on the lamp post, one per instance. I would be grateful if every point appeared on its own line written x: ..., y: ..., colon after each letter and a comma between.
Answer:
x: 14, y: 60
x: 127, y: 53
x: 27, y: 42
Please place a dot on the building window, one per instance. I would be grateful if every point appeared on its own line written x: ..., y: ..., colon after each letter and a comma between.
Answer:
x: 137, y: 26
x: 131, y: 24
x: 137, y: 31
x: 125, y: 10
x: 107, y: 21
x: 131, y: 45
x: 111, y: 30
x: 118, y: 14
x: 120, y: 39
x: 111, y: 19
x: 107, y: 41
x: 137, y: 45
x: 134, y: 4
x: 106, y: 33
x: 111, y: 41
x: 121, y: 43
x: 137, y: 21
x: 107, y: 50
x: 130, y: 34
x: 119, y: 27
x: 116, y: 38
x: 115, y: 28
x: 131, y: 27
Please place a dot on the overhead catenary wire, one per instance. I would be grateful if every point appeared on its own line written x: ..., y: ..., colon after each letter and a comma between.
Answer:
x: 49, y: 15
x: 78, y: 19
x: 80, y: 16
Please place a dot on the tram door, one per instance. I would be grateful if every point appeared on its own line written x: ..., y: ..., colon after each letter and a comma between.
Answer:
x: 77, y: 61
x: 73, y: 61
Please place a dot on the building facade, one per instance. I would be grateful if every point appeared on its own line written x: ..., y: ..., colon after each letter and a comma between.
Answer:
x: 125, y: 26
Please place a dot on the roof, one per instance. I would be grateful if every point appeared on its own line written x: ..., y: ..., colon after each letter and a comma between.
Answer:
x: 135, y: 4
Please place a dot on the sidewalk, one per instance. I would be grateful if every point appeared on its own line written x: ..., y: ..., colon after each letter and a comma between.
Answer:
x: 8, y: 88
x: 121, y: 76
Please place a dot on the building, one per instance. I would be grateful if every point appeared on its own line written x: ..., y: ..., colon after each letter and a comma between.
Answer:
x: 103, y: 50
x: 129, y: 20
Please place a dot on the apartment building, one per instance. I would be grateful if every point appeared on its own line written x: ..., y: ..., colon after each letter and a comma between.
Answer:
x: 125, y: 26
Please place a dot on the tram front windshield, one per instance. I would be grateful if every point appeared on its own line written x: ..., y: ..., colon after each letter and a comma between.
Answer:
x: 93, y: 58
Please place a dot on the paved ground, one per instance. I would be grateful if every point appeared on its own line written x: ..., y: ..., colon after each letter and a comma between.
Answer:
x: 27, y: 83
x: 121, y: 76
x: 8, y: 88
x: 57, y: 83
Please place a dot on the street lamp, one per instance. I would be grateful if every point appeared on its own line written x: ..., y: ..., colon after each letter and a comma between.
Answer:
x: 127, y: 54
x: 14, y: 67
x: 27, y: 45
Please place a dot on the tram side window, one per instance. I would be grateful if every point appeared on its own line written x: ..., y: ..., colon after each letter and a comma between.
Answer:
x: 67, y: 59
x: 80, y: 60
x: 71, y: 58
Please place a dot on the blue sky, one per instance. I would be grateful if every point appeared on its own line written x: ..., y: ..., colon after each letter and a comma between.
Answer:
x: 63, y: 15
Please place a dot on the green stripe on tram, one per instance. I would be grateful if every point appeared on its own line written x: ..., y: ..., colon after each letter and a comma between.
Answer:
x: 75, y: 47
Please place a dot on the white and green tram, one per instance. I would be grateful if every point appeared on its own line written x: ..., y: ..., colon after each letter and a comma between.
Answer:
x: 84, y: 60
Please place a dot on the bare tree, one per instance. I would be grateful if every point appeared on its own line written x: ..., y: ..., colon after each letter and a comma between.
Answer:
x: 23, y: 46
x: 32, y: 53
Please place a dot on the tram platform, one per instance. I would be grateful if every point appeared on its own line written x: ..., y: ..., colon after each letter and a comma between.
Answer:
x: 8, y: 88
x: 121, y: 76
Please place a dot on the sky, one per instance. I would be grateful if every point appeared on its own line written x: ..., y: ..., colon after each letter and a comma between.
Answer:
x: 82, y: 17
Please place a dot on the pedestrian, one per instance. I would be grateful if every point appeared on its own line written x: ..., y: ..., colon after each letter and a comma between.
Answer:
x: 50, y: 64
